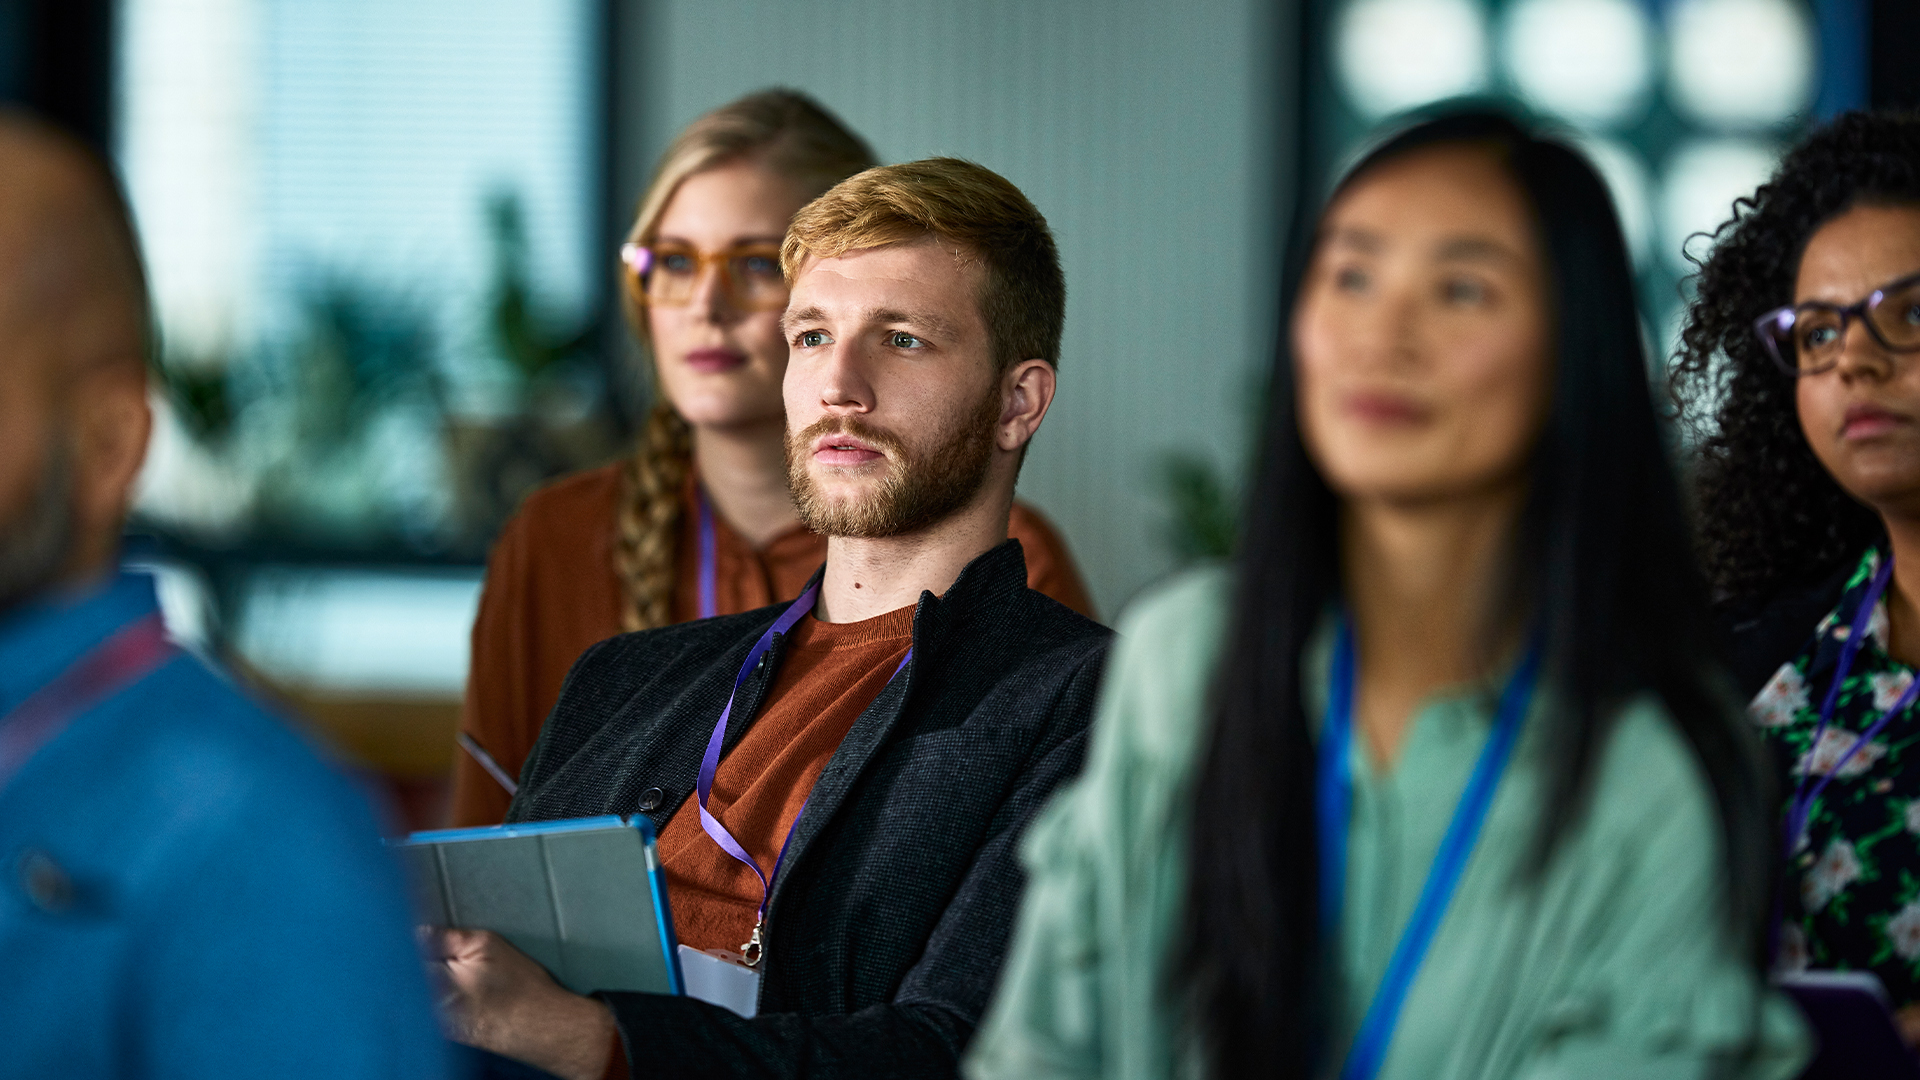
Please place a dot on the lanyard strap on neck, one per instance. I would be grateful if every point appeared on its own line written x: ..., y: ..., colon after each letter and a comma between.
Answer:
x: 1333, y: 801
x: 709, y: 594
x: 108, y: 668
x: 1803, y: 797
x: 710, y: 764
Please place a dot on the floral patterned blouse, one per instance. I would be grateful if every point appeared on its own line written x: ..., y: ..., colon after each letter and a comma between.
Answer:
x: 1853, y: 891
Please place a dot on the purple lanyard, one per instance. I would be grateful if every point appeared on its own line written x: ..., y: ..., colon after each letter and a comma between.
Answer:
x: 709, y: 601
x: 754, y: 949
x: 1803, y: 797
x: 111, y: 666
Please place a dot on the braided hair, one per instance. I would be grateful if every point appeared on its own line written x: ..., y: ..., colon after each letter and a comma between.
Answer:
x: 795, y: 137
x: 1770, y: 516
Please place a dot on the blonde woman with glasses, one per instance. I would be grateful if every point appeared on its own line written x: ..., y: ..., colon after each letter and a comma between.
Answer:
x: 696, y: 521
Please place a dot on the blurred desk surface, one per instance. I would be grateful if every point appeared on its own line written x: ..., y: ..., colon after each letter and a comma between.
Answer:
x: 405, y: 738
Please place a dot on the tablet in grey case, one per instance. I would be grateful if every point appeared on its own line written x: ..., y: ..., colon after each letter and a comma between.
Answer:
x: 585, y: 897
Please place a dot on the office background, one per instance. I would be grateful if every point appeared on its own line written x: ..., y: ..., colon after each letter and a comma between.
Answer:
x: 381, y: 234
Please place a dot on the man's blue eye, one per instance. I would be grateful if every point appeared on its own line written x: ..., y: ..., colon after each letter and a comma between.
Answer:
x: 900, y: 339
x: 813, y: 339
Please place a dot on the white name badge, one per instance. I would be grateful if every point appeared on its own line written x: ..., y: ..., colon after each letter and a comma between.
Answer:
x: 720, y: 977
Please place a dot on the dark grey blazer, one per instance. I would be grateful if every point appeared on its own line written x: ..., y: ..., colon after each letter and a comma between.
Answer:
x: 889, y: 921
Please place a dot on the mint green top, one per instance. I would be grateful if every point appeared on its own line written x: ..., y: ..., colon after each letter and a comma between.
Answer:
x: 1613, y: 963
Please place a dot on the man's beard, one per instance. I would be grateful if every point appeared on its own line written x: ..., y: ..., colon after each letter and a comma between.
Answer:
x: 918, y: 490
x: 35, y: 545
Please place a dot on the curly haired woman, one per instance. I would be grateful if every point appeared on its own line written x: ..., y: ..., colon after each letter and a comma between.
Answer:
x: 696, y: 521
x: 1803, y: 342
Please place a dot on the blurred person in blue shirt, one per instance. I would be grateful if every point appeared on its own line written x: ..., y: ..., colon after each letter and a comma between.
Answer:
x: 185, y: 888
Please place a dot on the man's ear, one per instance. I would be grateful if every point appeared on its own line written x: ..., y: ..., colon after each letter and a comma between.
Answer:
x: 111, y: 423
x: 1026, y: 393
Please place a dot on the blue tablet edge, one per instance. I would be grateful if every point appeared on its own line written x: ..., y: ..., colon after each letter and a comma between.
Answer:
x: 526, y: 828
x: 663, y: 915
x: 656, y: 875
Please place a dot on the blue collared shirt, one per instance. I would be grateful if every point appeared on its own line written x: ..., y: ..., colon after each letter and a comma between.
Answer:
x: 226, y: 908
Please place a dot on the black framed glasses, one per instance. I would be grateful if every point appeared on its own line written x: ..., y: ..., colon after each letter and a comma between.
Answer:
x: 1807, y: 339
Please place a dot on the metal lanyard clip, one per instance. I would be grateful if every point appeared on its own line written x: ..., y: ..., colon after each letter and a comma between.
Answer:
x: 755, y: 948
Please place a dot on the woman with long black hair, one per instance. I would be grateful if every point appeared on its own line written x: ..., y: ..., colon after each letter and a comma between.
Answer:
x: 1436, y: 780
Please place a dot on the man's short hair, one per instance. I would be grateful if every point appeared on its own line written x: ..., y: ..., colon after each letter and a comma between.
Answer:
x: 1024, y: 298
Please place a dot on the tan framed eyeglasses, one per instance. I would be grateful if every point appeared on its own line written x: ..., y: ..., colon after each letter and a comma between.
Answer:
x: 668, y: 275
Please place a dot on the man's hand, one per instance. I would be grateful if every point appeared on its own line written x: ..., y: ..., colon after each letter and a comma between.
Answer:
x: 498, y: 998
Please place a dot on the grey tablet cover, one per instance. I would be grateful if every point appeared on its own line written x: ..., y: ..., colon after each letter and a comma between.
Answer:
x: 583, y: 897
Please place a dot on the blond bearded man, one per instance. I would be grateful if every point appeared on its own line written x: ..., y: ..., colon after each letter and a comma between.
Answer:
x: 919, y: 702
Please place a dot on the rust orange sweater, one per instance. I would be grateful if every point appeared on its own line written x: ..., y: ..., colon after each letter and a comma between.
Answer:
x: 829, y: 674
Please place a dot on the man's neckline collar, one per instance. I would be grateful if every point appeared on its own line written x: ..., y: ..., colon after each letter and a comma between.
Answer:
x: 997, y: 572
x: 43, y: 636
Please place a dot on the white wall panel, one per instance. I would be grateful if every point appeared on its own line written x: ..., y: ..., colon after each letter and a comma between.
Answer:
x: 1146, y: 132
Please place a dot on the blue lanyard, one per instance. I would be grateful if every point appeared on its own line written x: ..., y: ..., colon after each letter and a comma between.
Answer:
x: 753, y: 950
x: 1334, y: 797
x: 1802, y: 804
